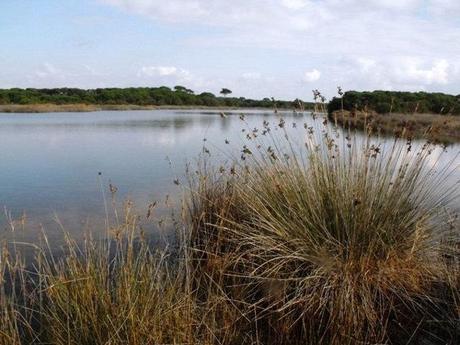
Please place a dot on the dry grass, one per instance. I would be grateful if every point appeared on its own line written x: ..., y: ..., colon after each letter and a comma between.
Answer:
x: 440, y: 128
x: 335, y: 243
x: 107, y: 292
x: 116, y: 291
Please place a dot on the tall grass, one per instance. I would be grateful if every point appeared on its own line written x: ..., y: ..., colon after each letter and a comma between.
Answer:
x: 443, y: 129
x: 341, y: 241
x: 99, y: 292
x: 308, y: 237
x: 115, y: 291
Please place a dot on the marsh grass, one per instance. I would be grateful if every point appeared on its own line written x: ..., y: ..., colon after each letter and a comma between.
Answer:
x: 341, y: 240
x: 434, y: 127
x: 120, y: 290
x: 307, y: 236
x: 97, y: 292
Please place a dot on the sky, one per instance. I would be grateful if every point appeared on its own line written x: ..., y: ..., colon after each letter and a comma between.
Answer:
x: 256, y: 48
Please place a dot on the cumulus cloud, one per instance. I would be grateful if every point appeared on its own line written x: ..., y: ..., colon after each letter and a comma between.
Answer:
x: 436, y: 74
x: 163, y: 71
x: 409, y: 73
x: 366, y: 64
x: 170, y: 75
x: 312, y: 76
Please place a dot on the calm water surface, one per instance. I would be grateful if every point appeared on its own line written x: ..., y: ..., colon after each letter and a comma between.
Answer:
x: 50, y: 163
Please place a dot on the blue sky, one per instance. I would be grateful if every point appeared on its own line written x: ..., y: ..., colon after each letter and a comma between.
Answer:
x: 257, y: 48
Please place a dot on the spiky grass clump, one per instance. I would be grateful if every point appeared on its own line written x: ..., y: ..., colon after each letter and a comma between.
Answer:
x: 128, y: 299
x: 336, y: 242
x: 116, y: 291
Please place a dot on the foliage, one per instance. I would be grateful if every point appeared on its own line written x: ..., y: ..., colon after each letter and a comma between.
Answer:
x: 384, y: 102
x: 225, y: 91
x: 136, y: 96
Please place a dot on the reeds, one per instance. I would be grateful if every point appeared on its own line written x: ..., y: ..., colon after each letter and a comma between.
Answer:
x: 116, y: 291
x: 435, y: 127
x: 345, y: 240
x: 308, y: 236
x: 99, y: 292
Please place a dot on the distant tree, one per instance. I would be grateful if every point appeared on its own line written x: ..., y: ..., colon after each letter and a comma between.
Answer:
x: 180, y: 88
x: 179, y: 95
x: 397, y: 102
x: 208, y: 99
x: 225, y: 92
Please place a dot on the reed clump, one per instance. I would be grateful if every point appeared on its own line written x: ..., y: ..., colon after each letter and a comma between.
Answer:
x: 338, y: 240
x: 117, y: 291
x: 120, y: 290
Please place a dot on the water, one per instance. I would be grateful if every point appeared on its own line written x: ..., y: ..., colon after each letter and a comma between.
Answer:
x: 50, y: 163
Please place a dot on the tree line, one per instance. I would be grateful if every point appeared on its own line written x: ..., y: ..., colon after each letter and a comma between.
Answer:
x: 177, y: 96
x: 385, y: 102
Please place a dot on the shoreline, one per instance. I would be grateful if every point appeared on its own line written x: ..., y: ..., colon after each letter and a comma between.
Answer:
x: 83, y: 108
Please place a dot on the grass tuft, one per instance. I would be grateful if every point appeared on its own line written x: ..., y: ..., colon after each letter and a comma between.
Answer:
x: 336, y: 241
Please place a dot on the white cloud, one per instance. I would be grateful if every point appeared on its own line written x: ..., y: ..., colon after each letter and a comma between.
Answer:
x: 396, y: 4
x: 436, y: 74
x: 166, y: 73
x: 170, y: 76
x: 162, y: 71
x: 409, y: 73
x: 238, y: 15
x: 366, y: 64
x: 312, y: 76
x: 294, y: 4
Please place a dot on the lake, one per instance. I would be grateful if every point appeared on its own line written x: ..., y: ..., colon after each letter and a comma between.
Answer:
x: 60, y: 165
